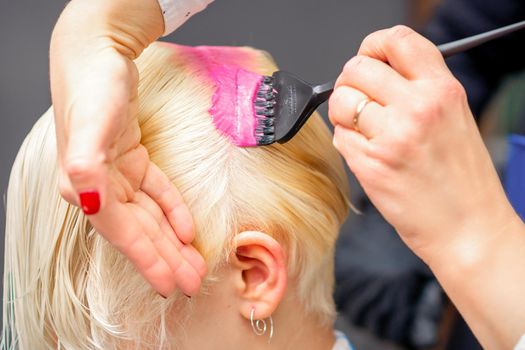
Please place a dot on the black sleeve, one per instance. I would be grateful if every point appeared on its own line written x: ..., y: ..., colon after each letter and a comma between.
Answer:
x: 480, y: 70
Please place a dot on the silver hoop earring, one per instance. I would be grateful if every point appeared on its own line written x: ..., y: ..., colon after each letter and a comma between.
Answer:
x: 260, y: 327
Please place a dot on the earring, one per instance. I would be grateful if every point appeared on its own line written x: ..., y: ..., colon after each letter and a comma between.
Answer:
x: 259, y: 327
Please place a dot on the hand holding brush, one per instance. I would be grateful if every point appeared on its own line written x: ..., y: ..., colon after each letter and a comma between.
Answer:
x: 285, y: 102
x: 405, y: 129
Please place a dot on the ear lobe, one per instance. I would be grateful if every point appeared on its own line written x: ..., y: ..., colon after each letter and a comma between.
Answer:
x: 260, y: 273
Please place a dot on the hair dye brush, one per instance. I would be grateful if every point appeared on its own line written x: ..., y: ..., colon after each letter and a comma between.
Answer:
x: 284, y: 102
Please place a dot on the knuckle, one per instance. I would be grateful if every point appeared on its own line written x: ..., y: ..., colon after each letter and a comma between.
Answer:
x: 400, y: 31
x: 142, y: 152
x: 419, y: 108
x: 338, y: 108
x: 451, y: 89
x: 403, y: 148
x: 353, y: 64
x: 431, y: 104
x: 63, y: 189
x: 426, y: 110
x: 370, y: 38
x: 66, y: 192
x: 334, y: 102
x: 370, y: 41
x: 393, y: 154
x: 78, y: 169
x: 332, y: 105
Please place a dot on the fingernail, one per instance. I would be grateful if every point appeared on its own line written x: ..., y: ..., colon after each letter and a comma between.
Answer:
x: 90, y: 202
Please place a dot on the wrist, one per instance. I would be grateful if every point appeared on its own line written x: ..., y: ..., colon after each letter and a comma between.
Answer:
x: 127, y: 26
x: 483, y: 278
x: 475, y: 247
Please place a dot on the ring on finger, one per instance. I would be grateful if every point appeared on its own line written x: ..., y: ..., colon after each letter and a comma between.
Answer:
x: 360, y: 107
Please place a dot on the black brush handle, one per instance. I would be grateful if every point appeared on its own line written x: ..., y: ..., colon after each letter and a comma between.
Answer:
x: 461, y: 45
x: 323, y: 92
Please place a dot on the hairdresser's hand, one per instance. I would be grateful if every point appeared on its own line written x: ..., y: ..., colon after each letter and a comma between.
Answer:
x: 421, y: 160
x: 418, y: 154
x: 104, y: 168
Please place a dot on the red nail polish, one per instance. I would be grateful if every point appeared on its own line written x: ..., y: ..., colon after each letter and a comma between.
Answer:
x: 90, y: 202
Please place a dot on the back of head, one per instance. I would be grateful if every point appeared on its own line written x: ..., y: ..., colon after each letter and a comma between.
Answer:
x: 63, y: 283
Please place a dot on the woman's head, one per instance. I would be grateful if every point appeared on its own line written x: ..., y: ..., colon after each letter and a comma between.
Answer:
x: 266, y: 218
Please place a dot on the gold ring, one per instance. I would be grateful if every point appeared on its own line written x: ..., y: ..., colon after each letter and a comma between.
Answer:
x: 360, y: 106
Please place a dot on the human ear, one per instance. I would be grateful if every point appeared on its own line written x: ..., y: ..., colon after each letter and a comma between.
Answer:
x: 260, y: 273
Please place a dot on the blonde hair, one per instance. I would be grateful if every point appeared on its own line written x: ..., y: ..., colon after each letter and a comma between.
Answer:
x: 65, y: 286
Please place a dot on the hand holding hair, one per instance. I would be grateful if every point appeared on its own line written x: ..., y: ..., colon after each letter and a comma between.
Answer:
x: 104, y: 168
x: 403, y: 124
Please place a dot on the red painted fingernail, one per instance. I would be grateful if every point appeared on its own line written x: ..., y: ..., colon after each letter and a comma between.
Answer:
x: 90, y: 202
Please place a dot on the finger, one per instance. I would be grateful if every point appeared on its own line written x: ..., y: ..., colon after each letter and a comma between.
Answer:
x: 66, y: 189
x: 86, y: 165
x: 91, y: 128
x: 188, y: 251
x: 168, y: 231
x: 195, y: 259
x: 131, y: 166
x: 342, y: 110
x: 375, y: 79
x: 342, y: 105
x: 157, y: 185
x: 409, y: 53
x: 192, y: 256
x: 373, y: 120
x: 118, y: 225
x: 187, y: 278
x: 155, y: 270
x: 353, y: 147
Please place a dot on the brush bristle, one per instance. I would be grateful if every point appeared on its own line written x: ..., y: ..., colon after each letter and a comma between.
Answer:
x: 264, y: 112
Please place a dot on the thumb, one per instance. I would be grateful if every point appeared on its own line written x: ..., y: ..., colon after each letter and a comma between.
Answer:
x: 86, y: 162
x: 100, y: 106
x: 87, y: 178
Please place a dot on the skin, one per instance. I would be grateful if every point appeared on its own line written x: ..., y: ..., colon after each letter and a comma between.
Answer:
x: 256, y: 277
x: 94, y: 91
x: 421, y: 160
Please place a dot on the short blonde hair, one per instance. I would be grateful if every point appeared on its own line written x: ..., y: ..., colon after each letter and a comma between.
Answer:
x: 64, y: 284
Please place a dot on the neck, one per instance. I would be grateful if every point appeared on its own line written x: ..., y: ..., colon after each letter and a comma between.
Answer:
x: 294, y: 329
x: 215, y: 323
